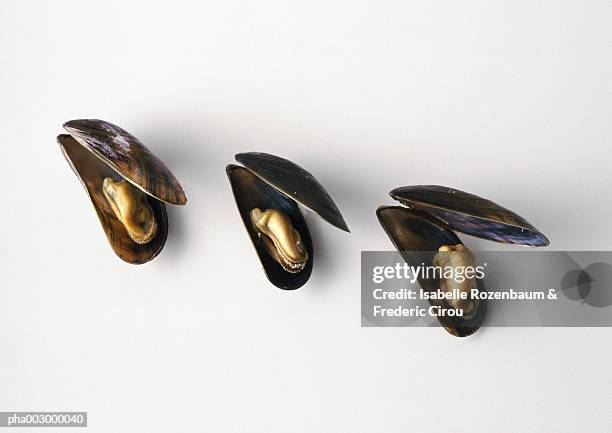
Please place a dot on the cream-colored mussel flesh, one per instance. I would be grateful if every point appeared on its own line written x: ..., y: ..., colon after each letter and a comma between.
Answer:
x: 458, y: 256
x: 132, y: 208
x: 280, y: 239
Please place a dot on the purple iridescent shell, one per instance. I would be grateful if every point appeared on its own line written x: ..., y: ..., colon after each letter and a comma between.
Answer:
x: 126, y: 155
x: 471, y: 214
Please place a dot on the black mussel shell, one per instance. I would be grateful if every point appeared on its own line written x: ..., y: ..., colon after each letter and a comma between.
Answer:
x: 125, y: 154
x: 252, y: 192
x: 471, y: 214
x: 296, y: 183
x: 418, y: 236
x: 91, y: 171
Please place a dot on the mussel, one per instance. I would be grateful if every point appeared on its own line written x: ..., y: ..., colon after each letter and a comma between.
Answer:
x: 423, y: 232
x: 268, y: 191
x: 128, y: 186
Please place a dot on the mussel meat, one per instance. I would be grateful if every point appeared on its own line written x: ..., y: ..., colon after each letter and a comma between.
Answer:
x: 455, y: 257
x: 127, y: 184
x: 131, y: 208
x: 282, y: 242
x: 268, y: 191
x: 423, y: 232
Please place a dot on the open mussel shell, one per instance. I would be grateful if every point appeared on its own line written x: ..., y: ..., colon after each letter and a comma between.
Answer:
x: 471, y: 214
x: 125, y: 154
x: 418, y: 235
x: 294, y: 182
x: 91, y: 171
x: 252, y: 192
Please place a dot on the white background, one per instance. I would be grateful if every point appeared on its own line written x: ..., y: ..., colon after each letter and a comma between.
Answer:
x: 506, y: 99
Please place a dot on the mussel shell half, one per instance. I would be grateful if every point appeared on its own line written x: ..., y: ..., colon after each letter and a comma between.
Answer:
x: 418, y: 236
x: 129, y: 157
x: 251, y: 192
x: 91, y: 171
x: 471, y: 214
x: 296, y: 183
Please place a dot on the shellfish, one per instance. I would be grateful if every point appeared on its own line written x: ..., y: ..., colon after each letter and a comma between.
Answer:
x: 268, y: 191
x: 127, y: 184
x: 423, y: 232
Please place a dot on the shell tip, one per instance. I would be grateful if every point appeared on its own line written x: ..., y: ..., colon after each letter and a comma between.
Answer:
x: 345, y: 227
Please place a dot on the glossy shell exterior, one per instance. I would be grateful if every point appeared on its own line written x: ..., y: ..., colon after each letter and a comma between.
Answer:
x: 471, y: 214
x: 252, y: 192
x: 125, y: 154
x: 418, y: 236
x: 294, y: 182
x: 91, y: 171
